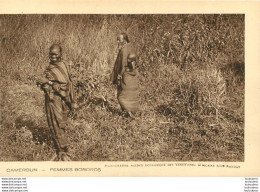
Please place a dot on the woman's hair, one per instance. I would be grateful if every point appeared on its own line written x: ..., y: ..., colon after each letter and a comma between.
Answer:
x: 56, y: 46
x: 131, y: 57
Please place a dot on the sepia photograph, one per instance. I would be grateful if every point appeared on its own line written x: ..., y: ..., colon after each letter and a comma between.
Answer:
x: 122, y: 87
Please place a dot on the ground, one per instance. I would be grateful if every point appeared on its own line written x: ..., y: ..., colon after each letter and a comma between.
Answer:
x: 98, y: 131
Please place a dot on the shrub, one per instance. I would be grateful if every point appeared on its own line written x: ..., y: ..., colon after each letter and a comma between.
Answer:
x: 201, y: 92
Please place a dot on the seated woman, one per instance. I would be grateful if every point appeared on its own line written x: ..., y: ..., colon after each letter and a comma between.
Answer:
x: 128, y: 95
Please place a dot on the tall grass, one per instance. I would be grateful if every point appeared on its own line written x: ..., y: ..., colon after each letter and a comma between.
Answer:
x: 191, y: 86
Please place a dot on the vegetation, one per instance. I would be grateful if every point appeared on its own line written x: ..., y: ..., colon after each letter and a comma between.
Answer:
x: 191, y: 87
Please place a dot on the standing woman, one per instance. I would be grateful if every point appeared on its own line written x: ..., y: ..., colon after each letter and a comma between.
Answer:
x: 121, y: 64
x: 59, y: 97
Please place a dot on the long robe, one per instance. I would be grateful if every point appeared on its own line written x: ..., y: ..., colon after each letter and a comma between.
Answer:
x: 58, y: 100
x: 128, y: 92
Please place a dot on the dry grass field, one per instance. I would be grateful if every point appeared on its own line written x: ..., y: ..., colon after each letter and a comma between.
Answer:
x: 191, y: 87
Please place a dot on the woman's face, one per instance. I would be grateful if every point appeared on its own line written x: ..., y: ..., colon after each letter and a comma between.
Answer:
x: 55, y: 55
x: 120, y: 41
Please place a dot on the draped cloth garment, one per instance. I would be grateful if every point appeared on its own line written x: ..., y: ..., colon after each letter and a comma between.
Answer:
x: 128, y: 92
x: 58, y: 99
x: 127, y: 82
